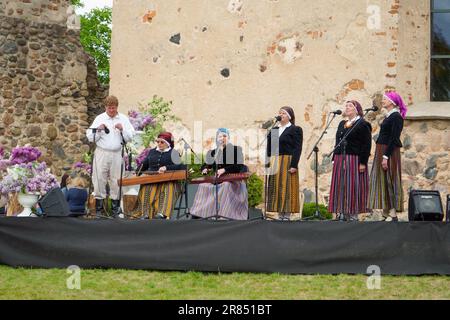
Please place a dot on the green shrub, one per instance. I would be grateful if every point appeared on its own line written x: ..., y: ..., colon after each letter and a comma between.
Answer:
x: 255, y: 186
x: 310, y: 208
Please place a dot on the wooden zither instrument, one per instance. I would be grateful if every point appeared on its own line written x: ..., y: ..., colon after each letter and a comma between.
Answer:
x: 222, y: 178
x: 149, y: 177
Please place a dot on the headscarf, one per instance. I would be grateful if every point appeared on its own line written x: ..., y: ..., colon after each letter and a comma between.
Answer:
x: 358, y: 107
x: 397, y: 101
x: 290, y: 112
x: 167, y: 137
x: 223, y: 131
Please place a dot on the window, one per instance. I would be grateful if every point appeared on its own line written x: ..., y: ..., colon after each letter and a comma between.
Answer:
x: 440, y: 50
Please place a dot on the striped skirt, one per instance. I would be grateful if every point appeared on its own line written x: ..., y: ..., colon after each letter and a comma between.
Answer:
x: 232, y: 200
x: 282, y: 187
x: 349, y: 187
x: 385, y: 188
x: 157, y: 198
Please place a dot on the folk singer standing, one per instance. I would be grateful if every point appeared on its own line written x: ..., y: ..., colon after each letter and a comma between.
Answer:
x: 111, y: 127
x: 350, y: 179
x: 283, y: 185
x: 385, y: 189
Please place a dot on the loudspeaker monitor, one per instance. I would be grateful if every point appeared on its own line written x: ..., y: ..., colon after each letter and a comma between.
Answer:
x: 425, y: 205
x: 54, y: 204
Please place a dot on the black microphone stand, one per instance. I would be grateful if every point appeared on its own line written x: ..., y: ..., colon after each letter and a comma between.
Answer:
x: 94, y: 131
x: 124, y: 148
x: 343, y: 142
x: 267, y: 168
x: 315, y: 149
x: 216, y: 187
x: 184, y: 192
x: 91, y: 183
x: 348, y: 132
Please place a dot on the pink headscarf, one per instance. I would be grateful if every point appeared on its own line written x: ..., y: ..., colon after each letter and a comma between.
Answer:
x: 395, y: 98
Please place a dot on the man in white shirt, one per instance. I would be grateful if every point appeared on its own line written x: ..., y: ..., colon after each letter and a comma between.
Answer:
x: 112, y: 129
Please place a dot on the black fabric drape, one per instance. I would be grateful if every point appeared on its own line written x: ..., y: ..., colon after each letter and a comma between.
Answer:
x: 227, y: 246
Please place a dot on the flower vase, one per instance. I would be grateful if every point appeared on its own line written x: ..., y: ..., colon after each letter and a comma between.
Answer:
x: 27, y: 201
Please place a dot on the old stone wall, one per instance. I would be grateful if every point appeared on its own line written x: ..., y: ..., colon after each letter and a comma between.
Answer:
x: 426, y: 157
x: 48, y: 82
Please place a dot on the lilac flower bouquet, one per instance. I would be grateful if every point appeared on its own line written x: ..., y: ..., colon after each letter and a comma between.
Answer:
x: 140, y: 120
x: 83, y: 169
x: 19, y: 155
x: 32, y: 177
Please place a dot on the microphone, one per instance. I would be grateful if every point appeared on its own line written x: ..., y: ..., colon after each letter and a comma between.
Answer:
x: 374, y: 108
x: 97, y: 129
x: 337, y: 112
x: 268, y: 123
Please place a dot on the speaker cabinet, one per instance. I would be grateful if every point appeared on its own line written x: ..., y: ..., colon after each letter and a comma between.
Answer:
x: 425, y: 205
x: 447, y: 216
x: 54, y: 204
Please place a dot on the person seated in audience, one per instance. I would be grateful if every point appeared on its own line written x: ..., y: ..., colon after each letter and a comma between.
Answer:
x: 77, y: 195
x: 65, y: 179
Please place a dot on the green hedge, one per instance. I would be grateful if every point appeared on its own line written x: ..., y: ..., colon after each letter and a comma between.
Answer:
x: 255, y: 187
x: 310, y: 208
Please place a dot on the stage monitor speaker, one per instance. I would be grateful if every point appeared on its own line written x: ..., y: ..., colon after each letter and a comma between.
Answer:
x: 54, y: 204
x: 425, y: 205
x: 447, y: 217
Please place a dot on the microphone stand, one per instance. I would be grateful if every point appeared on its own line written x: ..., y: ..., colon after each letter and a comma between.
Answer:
x: 266, y: 179
x: 216, y: 186
x: 343, y: 142
x: 215, y: 183
x: 184, y: 192
x: 124, y: 147
x: 91, y: 183
x: 316, y: 169
x: 348, y: 132
x: 94, y: 131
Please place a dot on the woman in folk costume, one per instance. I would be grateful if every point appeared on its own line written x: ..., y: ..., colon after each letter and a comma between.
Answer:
x: 350, y: 179
x: 385, y: 188
x: 157, y: 200
x: 284, y: 147
x: 232, y: 195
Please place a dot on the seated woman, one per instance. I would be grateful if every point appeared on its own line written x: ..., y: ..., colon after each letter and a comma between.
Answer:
x: 157, y: 200
x: 77, y: 195
x: 232, y: 196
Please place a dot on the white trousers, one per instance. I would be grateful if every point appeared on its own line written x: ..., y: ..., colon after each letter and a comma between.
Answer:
x: 106, y: 168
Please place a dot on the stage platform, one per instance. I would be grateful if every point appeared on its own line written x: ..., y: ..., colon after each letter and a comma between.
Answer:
x: 324, y: 247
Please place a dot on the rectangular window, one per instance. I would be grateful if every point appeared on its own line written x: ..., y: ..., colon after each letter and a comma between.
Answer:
x: 440, y: 50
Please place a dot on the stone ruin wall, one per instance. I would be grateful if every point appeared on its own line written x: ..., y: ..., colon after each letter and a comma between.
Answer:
x: 49, y: 91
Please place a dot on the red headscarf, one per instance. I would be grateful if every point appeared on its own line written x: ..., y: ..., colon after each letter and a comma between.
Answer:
x: 167, y: 137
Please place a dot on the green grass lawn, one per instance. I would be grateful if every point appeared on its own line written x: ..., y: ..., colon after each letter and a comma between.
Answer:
x: 128, y: 284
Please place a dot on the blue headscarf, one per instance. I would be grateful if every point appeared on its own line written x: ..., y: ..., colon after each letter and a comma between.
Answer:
x: 222, y: 130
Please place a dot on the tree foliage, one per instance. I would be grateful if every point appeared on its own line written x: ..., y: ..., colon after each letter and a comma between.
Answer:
x: 77, y: 3
x: 95, y: 36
